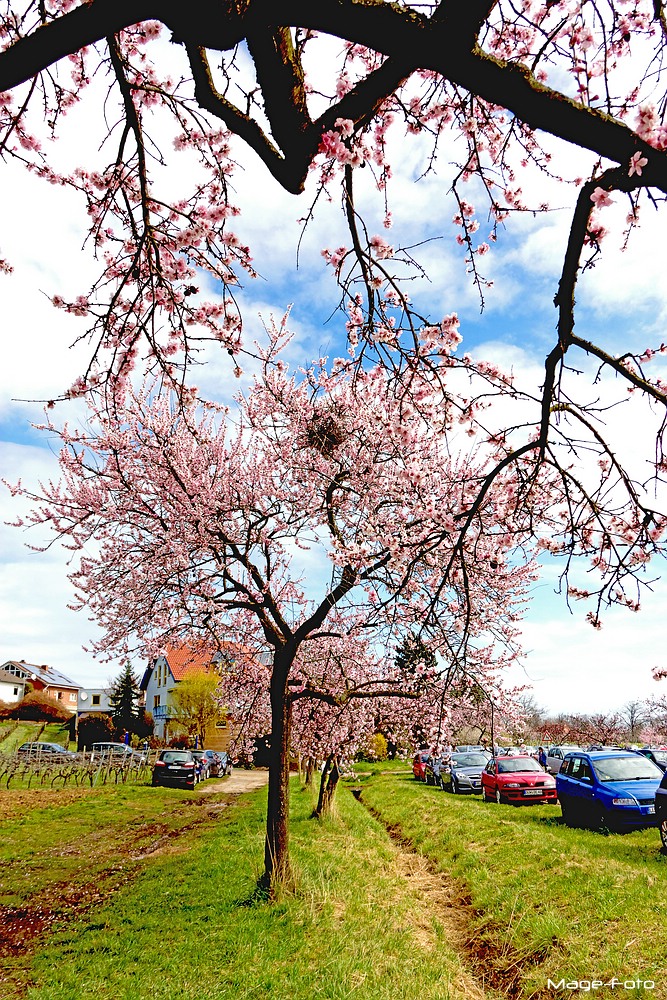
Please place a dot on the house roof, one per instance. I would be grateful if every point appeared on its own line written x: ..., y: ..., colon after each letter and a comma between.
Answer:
x: 10, y: 678
x: 186, y: 660
x: 47, y: 675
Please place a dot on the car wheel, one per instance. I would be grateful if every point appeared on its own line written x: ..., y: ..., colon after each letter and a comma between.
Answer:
x: 600, y: 819
x: 486, y: 797
x: 663, y: 832
x: 455, y: 788
x: 567, y: 813
x: 499, y: 798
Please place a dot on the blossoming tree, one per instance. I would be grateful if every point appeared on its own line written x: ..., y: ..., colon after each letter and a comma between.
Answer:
x: 190, y: 520
x: 505, y: 91
x: 488, y: 78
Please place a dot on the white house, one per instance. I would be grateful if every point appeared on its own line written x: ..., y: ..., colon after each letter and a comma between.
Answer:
x: 12, y: 688
x: 165, y: 673
x: 94, y: 700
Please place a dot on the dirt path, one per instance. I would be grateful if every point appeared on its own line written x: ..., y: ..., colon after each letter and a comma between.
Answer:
x: 239, y: 781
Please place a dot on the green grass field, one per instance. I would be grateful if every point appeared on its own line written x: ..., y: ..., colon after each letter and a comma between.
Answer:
x: 135, y: 893
x: 546, y: 901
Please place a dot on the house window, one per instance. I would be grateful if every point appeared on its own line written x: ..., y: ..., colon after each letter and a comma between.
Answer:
x: 221, y: 725
x: 96, y: 699
x: 59, y: 695
x: 16, y: 691
x: 72, y: 696
x: 156, y: 700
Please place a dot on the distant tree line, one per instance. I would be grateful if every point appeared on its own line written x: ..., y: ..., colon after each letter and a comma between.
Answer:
x: 638, y: 721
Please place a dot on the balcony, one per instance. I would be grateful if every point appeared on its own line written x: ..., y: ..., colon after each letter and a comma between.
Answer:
x: 161, y: 713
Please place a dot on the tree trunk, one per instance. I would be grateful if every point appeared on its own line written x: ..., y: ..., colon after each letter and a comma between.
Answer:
x: 328, y: 785
x: 277, y: 872
x: 311, y: 764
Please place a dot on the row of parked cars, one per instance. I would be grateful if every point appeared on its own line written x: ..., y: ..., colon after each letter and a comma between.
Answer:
x: 601, y: 787
x: 186, y: 768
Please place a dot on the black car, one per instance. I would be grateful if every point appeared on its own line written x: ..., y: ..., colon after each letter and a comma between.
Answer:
x: 661, y: 809
x: 464, y: 776
x: 175, y: 767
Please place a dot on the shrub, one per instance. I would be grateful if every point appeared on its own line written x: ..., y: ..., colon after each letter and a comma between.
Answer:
x: 40, y: 707
x: 375, y: 749
x: 94, y: 727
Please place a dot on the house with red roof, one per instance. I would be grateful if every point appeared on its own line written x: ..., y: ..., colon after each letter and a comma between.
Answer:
x: 164, y: 674
x: 40, y: 677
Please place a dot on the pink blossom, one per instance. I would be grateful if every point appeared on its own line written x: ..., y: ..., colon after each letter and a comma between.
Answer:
x: 600, y: 198
x: 637, y: 164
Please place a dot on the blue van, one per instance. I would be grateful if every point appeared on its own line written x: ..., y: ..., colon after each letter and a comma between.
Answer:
x: 608, y: 789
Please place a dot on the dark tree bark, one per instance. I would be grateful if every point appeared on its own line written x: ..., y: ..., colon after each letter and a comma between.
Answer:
x: 328, y: 785
x: 311, y: 764
x: 277, y: 871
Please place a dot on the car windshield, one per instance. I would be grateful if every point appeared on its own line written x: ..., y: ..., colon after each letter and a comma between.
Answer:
x: 660, y: 757
x: 512, y: 764
x: 469, y: 760
x: 176, y: 756
x: 630, y: 768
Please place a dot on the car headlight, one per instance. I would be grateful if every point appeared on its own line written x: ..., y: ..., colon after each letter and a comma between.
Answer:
x: 462, y: 779
x: 623, y: 802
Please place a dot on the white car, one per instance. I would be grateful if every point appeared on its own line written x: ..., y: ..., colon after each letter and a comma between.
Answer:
x: 117, y: 752
x: 555, y: 756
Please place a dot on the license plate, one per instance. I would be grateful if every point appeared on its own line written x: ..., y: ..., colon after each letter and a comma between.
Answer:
x: 533, y: 791
x: 650, y: 810
x: 174, y: 767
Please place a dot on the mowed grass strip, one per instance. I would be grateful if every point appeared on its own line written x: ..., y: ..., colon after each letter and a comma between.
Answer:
x: 190, y: 927
x: 550, y: 902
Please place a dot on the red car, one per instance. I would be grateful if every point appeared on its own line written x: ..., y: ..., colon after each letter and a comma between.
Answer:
x: 419, y: 765
x: 518, y: 780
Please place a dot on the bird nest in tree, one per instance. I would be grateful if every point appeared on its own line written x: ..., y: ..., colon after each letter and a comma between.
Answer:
x: 325, y: 433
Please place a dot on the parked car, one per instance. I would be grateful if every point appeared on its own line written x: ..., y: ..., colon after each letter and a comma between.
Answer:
x: 556, y: 756
x: 519, y: 780
x: 226, y: 763
x: 465, y: 773
x: 419, y: 765
x: 118, y: 752
x: 213, y: 759
x: 202, y: 764
x: 50, y: 750
x: 657, y: 754
x: 608, y: 789
x: 175, y: 767
x: 661, y: 809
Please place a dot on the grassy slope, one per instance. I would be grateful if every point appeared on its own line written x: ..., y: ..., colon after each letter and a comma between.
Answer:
x: 187, y: 927
x: 551, y: 902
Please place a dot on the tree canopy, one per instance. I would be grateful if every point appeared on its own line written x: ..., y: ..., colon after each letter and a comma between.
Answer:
x: 432, y: 478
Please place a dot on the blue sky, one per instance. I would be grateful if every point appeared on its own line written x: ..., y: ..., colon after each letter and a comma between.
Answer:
x: 623, y: 300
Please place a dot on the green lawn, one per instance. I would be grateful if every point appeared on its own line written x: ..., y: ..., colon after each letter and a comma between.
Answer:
x: 547, y: 902
x: 138, y: 893
x: 184, y: 922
